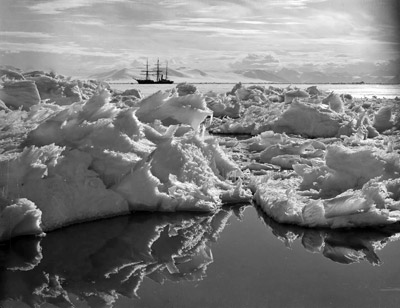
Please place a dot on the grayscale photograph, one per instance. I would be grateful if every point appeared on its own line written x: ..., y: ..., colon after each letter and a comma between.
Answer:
x: 201, y: 153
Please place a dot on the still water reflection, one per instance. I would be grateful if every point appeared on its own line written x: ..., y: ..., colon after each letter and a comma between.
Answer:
x: 228, y: 259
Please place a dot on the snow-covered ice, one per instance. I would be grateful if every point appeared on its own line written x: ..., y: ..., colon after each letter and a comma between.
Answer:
x: 347, y: 189
x: 75, y: 151
x: 91, y: 159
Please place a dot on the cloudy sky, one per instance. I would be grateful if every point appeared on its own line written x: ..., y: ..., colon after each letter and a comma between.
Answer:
x: 77, y: 37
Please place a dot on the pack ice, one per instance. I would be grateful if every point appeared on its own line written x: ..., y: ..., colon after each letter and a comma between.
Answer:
x: 338, y: 157
x: 93, y: 159
x: 79, y: 153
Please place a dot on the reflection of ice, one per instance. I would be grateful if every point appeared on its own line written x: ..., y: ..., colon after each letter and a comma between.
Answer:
x: 103, y: 260
x: 340, y: 245
x: 22, y: 254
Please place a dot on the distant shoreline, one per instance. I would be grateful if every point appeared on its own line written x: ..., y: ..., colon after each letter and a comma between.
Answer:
x: 279, y: 83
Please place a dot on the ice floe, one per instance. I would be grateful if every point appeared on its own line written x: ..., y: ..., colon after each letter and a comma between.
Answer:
x: 348, y: 189
x: 75, y: 151
x: 91, y: 159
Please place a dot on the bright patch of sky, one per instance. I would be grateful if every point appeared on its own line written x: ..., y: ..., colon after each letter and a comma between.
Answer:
x: 76, y: 37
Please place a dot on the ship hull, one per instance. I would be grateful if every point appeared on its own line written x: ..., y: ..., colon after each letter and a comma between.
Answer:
x: 165, y: 81
x: 144, y: 81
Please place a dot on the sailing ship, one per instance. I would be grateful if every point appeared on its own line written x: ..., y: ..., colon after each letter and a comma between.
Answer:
x: 158, y: 73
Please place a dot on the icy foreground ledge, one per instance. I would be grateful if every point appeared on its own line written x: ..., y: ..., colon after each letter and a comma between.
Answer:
x: 60, y: 185
x: 20, y: 218
x: 91, y: 160
x: 351, y: 189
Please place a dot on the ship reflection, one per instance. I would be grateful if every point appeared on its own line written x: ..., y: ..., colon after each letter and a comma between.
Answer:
x: 100, y: 260
x: 345, y: 246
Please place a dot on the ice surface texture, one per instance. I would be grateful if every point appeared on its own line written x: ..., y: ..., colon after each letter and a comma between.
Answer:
x: 350, y: 189
x: 91, y: 159
x: 75, y: 152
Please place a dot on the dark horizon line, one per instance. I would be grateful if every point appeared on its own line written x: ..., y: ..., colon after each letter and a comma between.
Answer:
x: 289, y: 83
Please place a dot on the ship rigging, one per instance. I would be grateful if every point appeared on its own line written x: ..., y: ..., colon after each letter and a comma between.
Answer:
x: 157, y: 72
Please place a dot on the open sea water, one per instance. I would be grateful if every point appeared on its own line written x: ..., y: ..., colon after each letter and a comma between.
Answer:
x: 356, y: 90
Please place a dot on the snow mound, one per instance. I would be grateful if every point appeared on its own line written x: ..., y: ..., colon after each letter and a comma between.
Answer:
x: 309, y: 120
x: 19, y: 218
x: 19, y: 94
x: 60, y: 184
x: 93, y: 124
x: 59, y: 91
x: 292, y: 94
x: 189, y: 109
x: 321, y: 115
x: 348, y: 169
x: 92, y: 159
x: 287, y: 152
x: 352, y: 189
x: 185, y: 88
x: 10, y: 74
x: 223, y: 105
x: 181, y: 174
x: 335, y: 102
x: 383, y: 118
x: 253, y: 121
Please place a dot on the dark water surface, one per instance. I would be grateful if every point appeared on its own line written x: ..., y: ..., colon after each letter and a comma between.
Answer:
x: 234, y: 258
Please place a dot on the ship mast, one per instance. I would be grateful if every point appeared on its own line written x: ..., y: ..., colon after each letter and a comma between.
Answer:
x: 147, y: 69
x: 158, y: 70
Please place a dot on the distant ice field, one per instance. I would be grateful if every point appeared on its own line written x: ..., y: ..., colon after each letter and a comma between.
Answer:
x: 356, y: 90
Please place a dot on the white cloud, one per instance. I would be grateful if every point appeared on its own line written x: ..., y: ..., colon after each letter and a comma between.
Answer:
x: 173, y: 3
x: 88, y: 22
x: 292, y: 4
x: 58, y: 6
x: 202, y: 20
x: 23, y: 34
x: 251, y: 22
x: 177, y: 26
x: 267, y: 28
x: 256, y: 61
x: 61, y: 48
